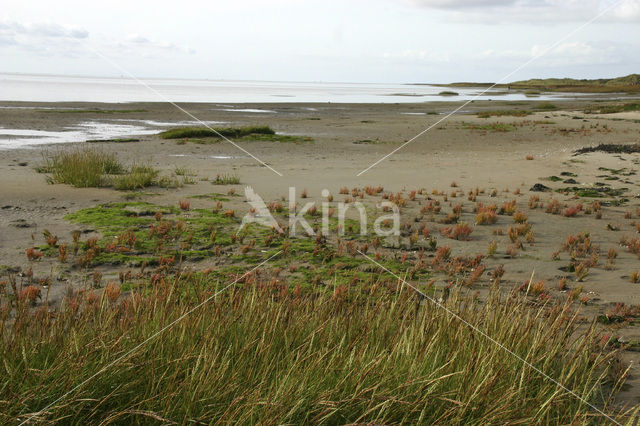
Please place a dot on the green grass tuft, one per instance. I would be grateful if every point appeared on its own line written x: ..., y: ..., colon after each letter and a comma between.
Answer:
x: 82, y: 167
x: 203, y: 132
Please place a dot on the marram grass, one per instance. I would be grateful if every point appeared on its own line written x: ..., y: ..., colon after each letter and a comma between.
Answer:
x: 261, y: 354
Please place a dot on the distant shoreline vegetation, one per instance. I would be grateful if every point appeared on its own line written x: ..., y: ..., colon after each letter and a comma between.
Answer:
x: 627, y: 84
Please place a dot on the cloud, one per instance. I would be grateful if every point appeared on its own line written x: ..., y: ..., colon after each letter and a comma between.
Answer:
x: 566, y: 54
x: 532, y: 11
x: 418, y: 55
x: 460, y: 4
x: 41, y: 30
x: 149, y: 47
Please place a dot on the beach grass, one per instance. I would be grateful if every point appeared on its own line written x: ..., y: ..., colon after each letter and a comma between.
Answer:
x: 138, y: 177
x: 226, y: 179
x: 81, y: 167
x: 334, y: 356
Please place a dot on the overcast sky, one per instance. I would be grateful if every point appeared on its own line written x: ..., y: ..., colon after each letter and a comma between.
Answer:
x: 321, y: 40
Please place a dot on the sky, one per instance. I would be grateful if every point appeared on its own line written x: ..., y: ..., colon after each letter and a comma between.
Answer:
x: 385, y: 41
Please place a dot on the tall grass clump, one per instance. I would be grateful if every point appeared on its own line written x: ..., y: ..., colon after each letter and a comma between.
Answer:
x: 137, y: 178
x: 81, y: 167
x: 203, y: 132
x: 260, y: 352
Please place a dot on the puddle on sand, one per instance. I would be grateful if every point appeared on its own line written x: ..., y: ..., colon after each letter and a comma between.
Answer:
x: 19, y: 138
x: 108, y: 129
x: 170, y: 123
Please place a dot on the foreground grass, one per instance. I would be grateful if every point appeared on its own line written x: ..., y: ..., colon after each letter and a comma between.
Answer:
x: 259, y: 352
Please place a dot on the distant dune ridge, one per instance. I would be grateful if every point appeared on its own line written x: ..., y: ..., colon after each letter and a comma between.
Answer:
x: 629, y: 83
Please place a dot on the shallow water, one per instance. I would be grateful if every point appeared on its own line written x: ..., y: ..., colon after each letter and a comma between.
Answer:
x: 19, y: 138
x: 48, y: 88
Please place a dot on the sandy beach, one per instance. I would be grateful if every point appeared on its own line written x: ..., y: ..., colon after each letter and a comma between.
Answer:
x: 499, y: 158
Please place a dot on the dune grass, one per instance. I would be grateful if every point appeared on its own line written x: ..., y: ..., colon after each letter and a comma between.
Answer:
x: 140, y: 176
x: 81, y: 167
x: 226, y: 179
x: 203, y: 132
x: 259, y: 352
x: 91, y: 167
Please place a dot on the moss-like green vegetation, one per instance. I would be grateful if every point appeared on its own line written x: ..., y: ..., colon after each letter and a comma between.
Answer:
x: 504, y: 113
x: 448, y: 93
x: 213, y: 196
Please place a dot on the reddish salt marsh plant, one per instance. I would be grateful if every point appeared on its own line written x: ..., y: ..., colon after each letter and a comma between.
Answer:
x: 63, y: 253
x: 461, y: 231
x: 31, y: 294
x: 486, y: 216
x: 514, y: 232
x: 519, y: 217
x: 580, y: 245
x: 508, y: 208
x: 533, y: 201
x: 554, y: 207
x: 493, y: 248
x: 572, y: 211
x: 33, y: 254
x: 184, y: 204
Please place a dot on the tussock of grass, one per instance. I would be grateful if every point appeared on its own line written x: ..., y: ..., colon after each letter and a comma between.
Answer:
x: 81, y: 167
x: 226, y: 179
x: 203, y: 132
x: 138, y: 177
x: 91, y: 167
x: 260, y: 352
